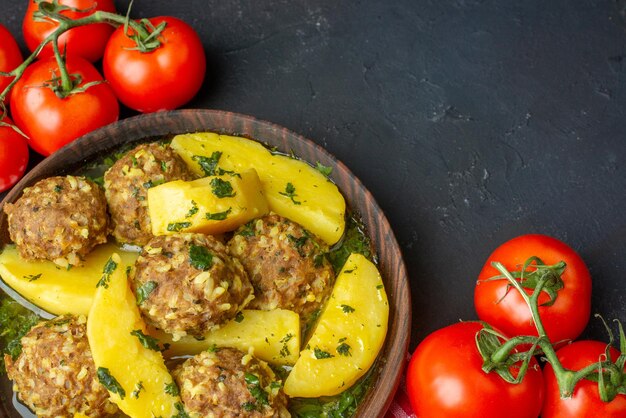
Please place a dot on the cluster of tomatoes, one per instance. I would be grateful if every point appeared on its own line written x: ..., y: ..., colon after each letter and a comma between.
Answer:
x: 159, y: 66
x: 445, y: 376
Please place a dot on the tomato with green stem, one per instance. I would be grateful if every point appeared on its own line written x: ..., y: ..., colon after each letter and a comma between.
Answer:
x: 585, y: 400
x: 13, y: 154
x: 10, y: 55
x: 53, y: 109
x: 445, y: 379
x: 159, y: 70
x: 86, y: 41
x: 564, y: 303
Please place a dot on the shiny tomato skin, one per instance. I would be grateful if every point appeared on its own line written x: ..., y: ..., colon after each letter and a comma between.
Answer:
x: 10, y: 56
x: 444, y: 379
x: 13, y: 155
x: 86, y: 41
x: 51, y: 122
x: 564, y: 320
x: 163, y: 79
x: 585, y: 401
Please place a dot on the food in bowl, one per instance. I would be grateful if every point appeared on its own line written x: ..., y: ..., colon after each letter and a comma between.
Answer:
x: 307, y: 211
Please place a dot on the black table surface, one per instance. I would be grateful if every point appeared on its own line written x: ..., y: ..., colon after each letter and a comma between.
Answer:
x: 471, y: 121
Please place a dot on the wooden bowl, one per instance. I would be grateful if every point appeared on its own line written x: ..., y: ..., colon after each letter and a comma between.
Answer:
x: 358, y: 198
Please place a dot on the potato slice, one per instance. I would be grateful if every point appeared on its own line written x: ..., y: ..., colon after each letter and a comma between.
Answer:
x: 274, y: 336
x: 193, y: 206
x: 348, y: 336
x: 136, y: 376
x: 56, y: 290
x: 292, y: 187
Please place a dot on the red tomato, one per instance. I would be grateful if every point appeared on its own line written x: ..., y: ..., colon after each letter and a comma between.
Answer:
x: 165, y: 78
x: 85, y: 41
x: 569, y: 314
x: 585, y: 401
x: 444, y: 379
x: 51, y: 122
x: 10, y: 55
x: 13, y: 155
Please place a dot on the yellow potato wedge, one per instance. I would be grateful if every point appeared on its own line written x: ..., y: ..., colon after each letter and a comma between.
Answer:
x: 134, y: 374
x: 348, y: 336
x: 57, y: 290
x: 292, y: 187
x: 274, y: 337
x: 194, y: 206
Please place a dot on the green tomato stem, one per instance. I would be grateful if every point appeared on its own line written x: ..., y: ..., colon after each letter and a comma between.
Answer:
x: 566, y: 378
x: 65, y: 25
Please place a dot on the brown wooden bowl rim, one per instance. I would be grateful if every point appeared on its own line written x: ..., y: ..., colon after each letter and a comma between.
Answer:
x: 140, y: 127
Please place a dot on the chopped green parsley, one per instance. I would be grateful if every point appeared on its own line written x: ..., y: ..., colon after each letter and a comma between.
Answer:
x: 32, y: 277
x: 347, y: 308
x: 290, y: 192
x: 178, y: 226
x: 143, y: 291
x: 193, y: 210
x: 109, y: 382
x: 320, y: 354
x: 326, y: 171
x: 222, y: 188
x: 108, y: 269
x: 200, y: 257
x: 208, y: 164
x: 147, y: 341
x: 219, y: 216
x: 172, y: 389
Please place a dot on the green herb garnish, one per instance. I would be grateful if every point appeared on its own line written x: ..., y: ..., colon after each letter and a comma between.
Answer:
x: 347, y: 308
x: 138, y: 388
x: 326, y: 171
x: 247, y: 230
x: 172, y: 389
x: 219, y: 216
x: 32, y: 277
x: 222, y: 188
x: 248, y: 406
x: 153, y: 183
x: 181, y: 413
x: 178, y: 226
x: 200, y: 257
x: 344, y: 349
x: 321, y: 354
x: 58, y: 188
x: 143, y: 291
x: 239, y: 317
x: 15, y: 322
x: 354, y: 241
x: 298, y: 242
x: 290, y: 192
x: 109, y: 382
x: 255, y: 389
x: 108, y: 269
x: 208, y: 164
x: 147, y: 341
x: 193, y: 210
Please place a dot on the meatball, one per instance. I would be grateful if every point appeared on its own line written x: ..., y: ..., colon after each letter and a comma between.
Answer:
x: 285, y: 263
x: 59, y: 219
x: 126, y: 186
x: 189, y: 284
x: 226, y: 383
x: 55, y: 374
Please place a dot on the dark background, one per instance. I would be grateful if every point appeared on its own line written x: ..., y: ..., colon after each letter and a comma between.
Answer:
x: 471, y: 122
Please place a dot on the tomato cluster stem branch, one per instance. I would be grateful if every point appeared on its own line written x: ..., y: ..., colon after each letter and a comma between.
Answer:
x: 63, y: 26
x: 566, y: 378
x: 66, y: 80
